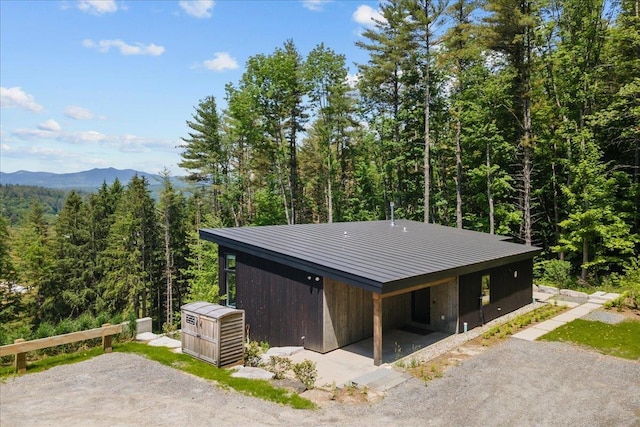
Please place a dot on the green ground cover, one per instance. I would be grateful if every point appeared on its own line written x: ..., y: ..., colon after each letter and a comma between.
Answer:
x: 621, y: 340
x: 257, y: 388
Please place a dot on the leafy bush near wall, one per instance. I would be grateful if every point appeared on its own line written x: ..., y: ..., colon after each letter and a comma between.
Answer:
x: 554, y: 272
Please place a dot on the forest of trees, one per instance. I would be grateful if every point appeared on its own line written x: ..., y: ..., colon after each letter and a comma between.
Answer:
x: 519, y: 118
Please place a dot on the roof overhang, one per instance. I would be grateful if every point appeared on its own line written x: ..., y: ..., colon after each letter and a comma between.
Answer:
x: 275, y: 243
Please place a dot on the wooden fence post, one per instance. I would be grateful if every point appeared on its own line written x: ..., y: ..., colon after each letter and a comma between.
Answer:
x: 20, y: 359
x: 106, y: 340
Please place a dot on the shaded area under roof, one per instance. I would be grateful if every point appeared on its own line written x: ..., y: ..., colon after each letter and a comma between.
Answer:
x: 374, y: 254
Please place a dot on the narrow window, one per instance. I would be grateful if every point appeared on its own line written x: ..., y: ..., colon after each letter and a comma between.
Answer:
x: 230, y: 279
x: 486, y: 289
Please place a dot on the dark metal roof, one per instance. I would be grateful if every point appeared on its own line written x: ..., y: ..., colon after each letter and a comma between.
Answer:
x: 375, y: 255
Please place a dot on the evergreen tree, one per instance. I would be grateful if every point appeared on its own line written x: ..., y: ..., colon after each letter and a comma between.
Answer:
x: 510, y: 31
x: 202, y: 267
x: 35, y: 262
x: 205, y: 156
x: 132, y: 257
x: 11, y: 305
x: 171, y: 213
x: 72, y: 291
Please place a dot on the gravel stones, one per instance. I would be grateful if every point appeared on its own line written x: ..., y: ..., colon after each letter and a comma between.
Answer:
x: 604, y: 317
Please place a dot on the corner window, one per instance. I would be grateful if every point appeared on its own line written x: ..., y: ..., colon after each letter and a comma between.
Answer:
x: 230, y: 279
x: 486, y: 289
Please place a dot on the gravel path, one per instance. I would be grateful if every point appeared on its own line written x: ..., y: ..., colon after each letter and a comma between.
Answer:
x: 515, y: 383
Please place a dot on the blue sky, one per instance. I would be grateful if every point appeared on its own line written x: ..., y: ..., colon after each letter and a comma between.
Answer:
x: 92, y: 84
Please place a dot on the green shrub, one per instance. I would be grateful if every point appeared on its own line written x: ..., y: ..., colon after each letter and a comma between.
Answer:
x: 306, y: 373
x: 102, y: 318
x: 555, y: 273
x: 64, y: 327
x: 44, y: 330
x: 253, y: 351
x: 279, y: 365
x: 85, y: 321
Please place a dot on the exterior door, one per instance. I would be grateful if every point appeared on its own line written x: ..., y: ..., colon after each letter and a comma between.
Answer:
x: 421, y: 306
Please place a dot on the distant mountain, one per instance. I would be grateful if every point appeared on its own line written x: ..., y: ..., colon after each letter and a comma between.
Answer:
x: 87, y: 180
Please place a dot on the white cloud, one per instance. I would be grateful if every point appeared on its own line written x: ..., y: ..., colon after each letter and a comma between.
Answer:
x: 366, y: 15
x: 78, y: 113
x: 98, y: 7
x: 315, y: 5
x: 15, y: 97
x: 82, y: 137
x: 104, y: 46
x: 221, y: 61
x: 50, y: 125
x: 198, y: 8
x: 127, y: 143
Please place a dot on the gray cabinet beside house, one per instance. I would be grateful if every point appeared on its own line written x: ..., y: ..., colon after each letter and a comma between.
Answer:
x: 213, y: 333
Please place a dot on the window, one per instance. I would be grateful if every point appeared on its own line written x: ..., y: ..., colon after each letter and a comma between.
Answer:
x: 230, y: 279
x: 486, y: 289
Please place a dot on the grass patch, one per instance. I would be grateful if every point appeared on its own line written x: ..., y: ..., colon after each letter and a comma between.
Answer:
x: 255, y: 388
x: 49, y: 362
x: 619, y: 340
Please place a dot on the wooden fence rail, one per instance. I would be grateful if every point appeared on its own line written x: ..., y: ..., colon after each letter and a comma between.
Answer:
x: 20, y: 347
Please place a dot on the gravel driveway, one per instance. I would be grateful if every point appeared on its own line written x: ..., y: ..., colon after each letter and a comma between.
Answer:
x: 515, y: 383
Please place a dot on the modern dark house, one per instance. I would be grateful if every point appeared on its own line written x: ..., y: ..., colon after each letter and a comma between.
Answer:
x: 324, y: 286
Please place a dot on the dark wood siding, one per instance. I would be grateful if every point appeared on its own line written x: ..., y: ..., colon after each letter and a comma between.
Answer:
x: 511, y: 288
x: 282, y: 304
x: 509, y: 291
x: 470, y: 291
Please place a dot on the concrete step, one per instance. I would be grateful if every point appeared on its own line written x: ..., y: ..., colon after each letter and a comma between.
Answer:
x: 381, y: 379
x: 370, y: 377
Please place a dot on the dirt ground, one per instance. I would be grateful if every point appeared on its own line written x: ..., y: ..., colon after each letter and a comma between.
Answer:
x: 514, y: 383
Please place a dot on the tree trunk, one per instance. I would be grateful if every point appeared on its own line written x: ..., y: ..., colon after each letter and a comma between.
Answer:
x: 458, y: 172
x: 527, y: 137
x: 585, y: 258
x: 167, y: 259
x: 427, y: 102
x: 492, y: 227
x: 329, y: 191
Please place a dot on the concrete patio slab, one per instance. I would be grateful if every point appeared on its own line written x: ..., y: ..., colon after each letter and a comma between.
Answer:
x: 567, y: 317
x: 611, y: 296
x: 549, y: 325
x: 530, y: 334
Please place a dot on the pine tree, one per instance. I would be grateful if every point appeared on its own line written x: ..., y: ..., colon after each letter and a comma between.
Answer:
x: 510, y: 31
x: 35, y: 262
x: 11, y: 304
x: 171, y: 213
x: 132, y: 258
x: 72, y: 290
x: 202, y: 269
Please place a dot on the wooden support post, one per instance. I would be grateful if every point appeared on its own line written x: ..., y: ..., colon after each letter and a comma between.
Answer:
x: 106, y: 340
x: 377, y: 329
x: 20, y: 359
